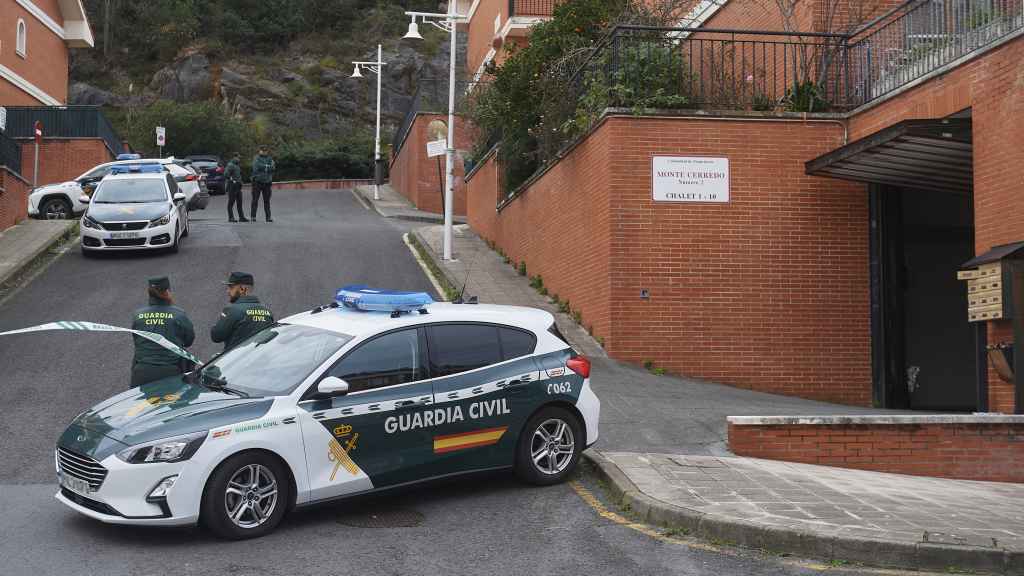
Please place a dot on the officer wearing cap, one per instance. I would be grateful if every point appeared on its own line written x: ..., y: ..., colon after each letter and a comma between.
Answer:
x: 244, y: 317
x: 152, y: 361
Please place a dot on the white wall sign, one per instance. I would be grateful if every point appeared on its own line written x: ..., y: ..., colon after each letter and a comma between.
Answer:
x: 437, y: 147
x: 690, y: 179
x: 3, y: 119
x: 161, y: 136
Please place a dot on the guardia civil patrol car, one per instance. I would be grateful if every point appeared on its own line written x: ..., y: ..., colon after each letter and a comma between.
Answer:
x: 331, y: 403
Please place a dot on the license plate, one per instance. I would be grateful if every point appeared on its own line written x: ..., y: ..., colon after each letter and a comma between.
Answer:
x: 74, y: 484
x: 123, y: 235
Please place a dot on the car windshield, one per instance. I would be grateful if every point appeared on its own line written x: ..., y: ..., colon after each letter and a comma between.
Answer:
x: 131, y: 191
x: 275, y: 361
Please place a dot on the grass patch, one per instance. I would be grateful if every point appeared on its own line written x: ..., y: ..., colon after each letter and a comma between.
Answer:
x: 450, y: 293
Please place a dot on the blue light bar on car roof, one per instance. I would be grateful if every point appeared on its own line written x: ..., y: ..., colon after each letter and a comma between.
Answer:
x: 136, y: 169
x: 129, y: 156
x: 362, y: 297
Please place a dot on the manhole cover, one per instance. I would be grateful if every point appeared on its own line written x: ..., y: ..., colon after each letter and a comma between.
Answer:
x: 393, y: 518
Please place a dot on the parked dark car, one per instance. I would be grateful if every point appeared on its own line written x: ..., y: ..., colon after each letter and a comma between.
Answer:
x: 213, y: 168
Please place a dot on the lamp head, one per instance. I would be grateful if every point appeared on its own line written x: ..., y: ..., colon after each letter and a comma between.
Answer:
x: 356, y: 73
x: 414, y: 30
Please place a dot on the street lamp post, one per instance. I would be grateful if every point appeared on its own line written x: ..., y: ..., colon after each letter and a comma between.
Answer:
x: 377, y: 68
x: 447, y: 23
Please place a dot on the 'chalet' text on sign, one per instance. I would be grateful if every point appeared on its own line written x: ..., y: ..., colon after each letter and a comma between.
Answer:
x: 690, y: 179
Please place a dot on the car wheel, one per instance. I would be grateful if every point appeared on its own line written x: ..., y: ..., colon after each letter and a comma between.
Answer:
x: 187, y: 227
x: 549, y: 446
x: 246, y: 496
x: 56, y: 209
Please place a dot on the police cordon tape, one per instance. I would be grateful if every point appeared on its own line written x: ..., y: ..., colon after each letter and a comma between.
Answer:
x: 94, y: 327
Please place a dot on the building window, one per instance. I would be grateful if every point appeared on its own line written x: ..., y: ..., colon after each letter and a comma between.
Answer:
x: 22, y: 38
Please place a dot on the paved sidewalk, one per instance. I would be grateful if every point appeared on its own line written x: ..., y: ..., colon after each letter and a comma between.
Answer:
x: 873, y: 518
x: 394, y: 205
x: 21, y: 244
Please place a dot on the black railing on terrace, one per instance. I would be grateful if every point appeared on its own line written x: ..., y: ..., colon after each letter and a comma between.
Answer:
x: 532, y: 7
x: 652, y: 67
x: 922, y: 36
x: 10, y: 153
x: 62, y: 122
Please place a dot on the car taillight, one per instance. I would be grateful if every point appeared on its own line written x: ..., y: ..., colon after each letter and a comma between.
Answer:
x: 579, y: 365
x: 190, y: 178
x: 219, y: 170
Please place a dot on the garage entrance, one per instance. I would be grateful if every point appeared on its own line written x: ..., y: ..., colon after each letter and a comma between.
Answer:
x: 924, y: 351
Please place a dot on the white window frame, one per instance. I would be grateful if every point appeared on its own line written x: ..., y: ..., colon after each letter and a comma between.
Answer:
x: 21, y: 38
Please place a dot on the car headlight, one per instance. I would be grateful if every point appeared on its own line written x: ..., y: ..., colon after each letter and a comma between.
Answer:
x: 90, y: 223
x: 161, y: 221
x: 174, y: 449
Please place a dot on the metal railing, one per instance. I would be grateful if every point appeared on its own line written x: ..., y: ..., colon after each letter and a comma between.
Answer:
x: 10, y: 153
x: 62, y: 122
x: 922, y: 36
x: 532, y: 7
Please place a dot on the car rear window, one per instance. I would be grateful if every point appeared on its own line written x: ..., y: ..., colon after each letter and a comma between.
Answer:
x: 516, y: 343
x: 456, y: 348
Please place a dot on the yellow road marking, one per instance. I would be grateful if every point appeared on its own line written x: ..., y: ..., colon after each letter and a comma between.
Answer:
x: 602, y: 511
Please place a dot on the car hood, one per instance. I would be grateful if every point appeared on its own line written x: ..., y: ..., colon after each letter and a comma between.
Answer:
x: 70, y: 185
x: 127, y: 212
x: 161, y: 409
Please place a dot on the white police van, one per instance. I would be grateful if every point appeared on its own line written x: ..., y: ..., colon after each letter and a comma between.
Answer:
x: 332, y: 403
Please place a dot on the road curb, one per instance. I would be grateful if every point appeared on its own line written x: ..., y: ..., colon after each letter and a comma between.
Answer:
x: 878, y: 553
x: 452, y: 281
x: 26, y: 260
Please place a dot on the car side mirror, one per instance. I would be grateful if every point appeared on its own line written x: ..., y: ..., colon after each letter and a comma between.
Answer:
x: 84, y: 199
x: 332, y: 386
x: 178, y: 196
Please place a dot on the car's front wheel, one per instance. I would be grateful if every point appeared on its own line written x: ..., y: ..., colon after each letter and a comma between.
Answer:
x: 246, y: 496
x: 549, y: 447
x: 56, y: 209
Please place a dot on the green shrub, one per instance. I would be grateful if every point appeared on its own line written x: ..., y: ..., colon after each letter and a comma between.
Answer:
x: 522, y: 268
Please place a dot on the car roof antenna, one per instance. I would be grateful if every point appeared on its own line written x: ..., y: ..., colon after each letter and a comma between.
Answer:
x: 459, y: 300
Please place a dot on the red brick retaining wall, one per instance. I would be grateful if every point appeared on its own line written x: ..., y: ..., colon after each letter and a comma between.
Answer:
x: 965, y: 447
x: 13, y: 199
x: 417, y: 177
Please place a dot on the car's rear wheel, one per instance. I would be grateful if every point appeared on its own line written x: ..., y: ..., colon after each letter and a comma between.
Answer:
x: 185, y: 233
x: 56, y: 209
x: 549, y: 446
x: 246, y: 496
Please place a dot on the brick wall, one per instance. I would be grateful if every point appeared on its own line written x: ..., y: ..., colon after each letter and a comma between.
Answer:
x: 971, y: 451
x: 786, y: 260
x: 416, y: 176
x: 481, y: 31
x: 62, y: 159
x: 13, y: 199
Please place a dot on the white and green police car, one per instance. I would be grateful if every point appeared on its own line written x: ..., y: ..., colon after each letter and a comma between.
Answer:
x: 332, y: 403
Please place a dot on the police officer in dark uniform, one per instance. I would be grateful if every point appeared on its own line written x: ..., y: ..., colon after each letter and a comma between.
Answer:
x: 152, y: 361
x: 244, y: 317
x: 233, y: 183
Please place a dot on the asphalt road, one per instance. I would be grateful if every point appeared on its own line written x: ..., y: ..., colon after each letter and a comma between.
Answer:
x: 320, y: 240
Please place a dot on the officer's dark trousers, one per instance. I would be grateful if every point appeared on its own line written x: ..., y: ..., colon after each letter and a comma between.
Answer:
x: 145, y: 373
x: 258, y: 189
x: 235, y: 197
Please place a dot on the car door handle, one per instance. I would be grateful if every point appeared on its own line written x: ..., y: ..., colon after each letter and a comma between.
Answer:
x: 412, y: 403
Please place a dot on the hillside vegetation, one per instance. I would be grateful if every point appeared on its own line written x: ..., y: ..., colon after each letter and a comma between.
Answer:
x: 225, y: 76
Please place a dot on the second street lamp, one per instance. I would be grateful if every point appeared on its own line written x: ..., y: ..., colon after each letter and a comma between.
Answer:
x: 377, y: 68
x: 447, y: 23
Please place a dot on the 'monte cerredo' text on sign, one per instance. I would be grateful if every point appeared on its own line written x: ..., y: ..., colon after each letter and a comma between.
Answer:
x: 690, y: 179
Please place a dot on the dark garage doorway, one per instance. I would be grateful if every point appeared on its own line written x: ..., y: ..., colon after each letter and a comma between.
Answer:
x: 923, y: 345
x: 921, y: 177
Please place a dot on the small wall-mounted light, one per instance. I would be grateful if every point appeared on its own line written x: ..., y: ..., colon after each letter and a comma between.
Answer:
x: 645, y: 294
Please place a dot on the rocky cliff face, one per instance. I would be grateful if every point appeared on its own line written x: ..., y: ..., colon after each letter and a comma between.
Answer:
x: 290, y: 91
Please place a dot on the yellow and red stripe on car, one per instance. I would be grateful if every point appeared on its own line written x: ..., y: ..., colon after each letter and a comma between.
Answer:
x: 463, y: 440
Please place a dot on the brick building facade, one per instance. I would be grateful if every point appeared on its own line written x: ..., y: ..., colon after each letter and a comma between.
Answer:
x: 838, y: 288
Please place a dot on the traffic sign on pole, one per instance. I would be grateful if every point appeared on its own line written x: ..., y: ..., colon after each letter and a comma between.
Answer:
x: 161, y: 136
